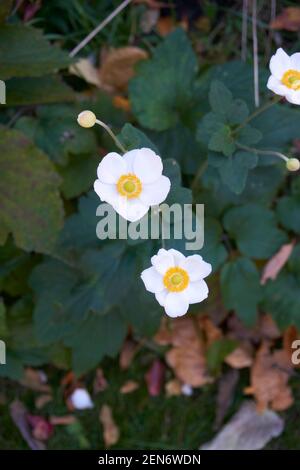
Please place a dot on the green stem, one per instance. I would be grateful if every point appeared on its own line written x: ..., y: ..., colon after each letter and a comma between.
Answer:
x: 112, y: 135
x: 262, y: 152
x: 199, y: 173
x: 257, y: 112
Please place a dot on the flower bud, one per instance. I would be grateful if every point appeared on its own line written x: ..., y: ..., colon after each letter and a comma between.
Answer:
x: 293, y: 164
x: 81, y: 399
x: 86, y: 119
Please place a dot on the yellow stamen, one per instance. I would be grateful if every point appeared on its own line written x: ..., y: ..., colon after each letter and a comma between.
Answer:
x: 291, y: 79
x: 129, y: 186
x: 176, y: 279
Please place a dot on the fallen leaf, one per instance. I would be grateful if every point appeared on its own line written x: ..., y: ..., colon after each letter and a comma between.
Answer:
x: 111, y: 432
x: 129, y: 387
x: 120, y: 102
x: 85, y: 69
x: 226, y: 387
x: 288, y: 19
x: 247, y: 430
x: 277, y: 262
x: 117, y: 67
x: 35, y: 380
x: 240, y: 358
x: 42, y: 400
x: 155, y: 377
x: 41, y: 429
x: 127, y: 353
x: 100, y: 383
x: 19, y: 416
x: 269, y: 377
x: 165, y: 25
x: 173, y: 388
x: 212, y: 332
x: 62, y: 420
x: 268, y: 328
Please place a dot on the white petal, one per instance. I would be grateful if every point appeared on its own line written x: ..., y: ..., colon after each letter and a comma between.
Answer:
x: 163, y: 261
x: 155, y: 193
x: 178, y: 257
x: 152, y: 280
x: 276, y: 86
x: 111, y: 167
x: 280, y: 63
x: 196, y: 292
x: 196, y: 267
x: 147, y: 166
x: 106, y: 192
x: 295, y: 61
x: 176, y: 304
x: 129, y: 158
x: 81, y: 399
x: 130, y: 209
x: 293, y: 96
x: 161, y: 297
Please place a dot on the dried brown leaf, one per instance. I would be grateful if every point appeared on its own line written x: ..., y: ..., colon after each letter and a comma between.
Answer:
x: 288, y: 19
x: 155, y: 377
x: 100, y: 383
x: 62, y: 420
x: 127, y: 354
x: 173, y: 388
x: 226, y: 387
x: 129, y: 387
x: 111, y: 433
x: 241, y: 357
x: 42, y: 400
x: 35, y: 380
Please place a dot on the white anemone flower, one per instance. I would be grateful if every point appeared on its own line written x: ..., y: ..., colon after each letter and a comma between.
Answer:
x: 132, y: 183
x: 177, y: 280
x: 285, y: 78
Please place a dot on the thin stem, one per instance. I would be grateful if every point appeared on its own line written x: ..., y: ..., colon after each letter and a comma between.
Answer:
x: 255, y: 53
x: 258, y: 111
x: 262, y: 152
x: 95, y: 31
x: 244, y: 30
x: 199, y: 173
x: 113, y: 136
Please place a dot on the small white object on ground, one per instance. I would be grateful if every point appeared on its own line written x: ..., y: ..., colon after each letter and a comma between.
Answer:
x: 81, y: 399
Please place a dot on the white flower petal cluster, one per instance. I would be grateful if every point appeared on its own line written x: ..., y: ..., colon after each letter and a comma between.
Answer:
x: 132, y: 183
x: 285, y: 75
x: 176, y: 280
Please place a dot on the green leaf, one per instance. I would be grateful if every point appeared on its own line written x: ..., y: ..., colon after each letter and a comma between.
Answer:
x: 162, y: 93
x: 96, y: 337
x: 220, y: 98
x: 222, y: 141
x: 24, y: 52
x: 32, y: 90
x: 132, y: 138
x: 217, y: 352
x: 79, y: 175
x: 255, y: 231
x: 288, y: 212
x: 248, y: 135
x: 29, y: 193
x: 241, y: 290
x: 56, y: 131
x: 13, y: 369
x: 213, y: 250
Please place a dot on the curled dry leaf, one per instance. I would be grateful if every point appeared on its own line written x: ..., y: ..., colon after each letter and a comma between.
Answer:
x: 269, y: 379
x: 111, y: 431
x: 277, y: 262
x: 129, y: 387
x: 155, y: 378
x: 211, y: 331
x: 117, y: 67
x: 288, y: 19
x: 85, y: 69
x: 241, y: 357
x: 173, y: 388
x: 62, y: 420
x: 127, y: 354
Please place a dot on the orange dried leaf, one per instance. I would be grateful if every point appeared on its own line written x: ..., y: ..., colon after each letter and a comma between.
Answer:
x: 127, y: 354
x: 129, y: 387
x: 35, y: 380
x: 173, y: 388
x: 111, y: 431
x: 288, y: 19
x: 239, y: 358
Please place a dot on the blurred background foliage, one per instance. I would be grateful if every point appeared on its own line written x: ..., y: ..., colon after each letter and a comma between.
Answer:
x: 166, y: 75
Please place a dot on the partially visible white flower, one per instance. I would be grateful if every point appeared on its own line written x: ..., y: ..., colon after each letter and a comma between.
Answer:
x: 177, y: 280
x: 132, y: 183
x: 285, y: 78
x: 81, y: 399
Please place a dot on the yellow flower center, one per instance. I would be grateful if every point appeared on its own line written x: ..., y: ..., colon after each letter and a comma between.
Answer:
x: 129, y: 186
x: 291, y: 79
x: 176, y: 279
